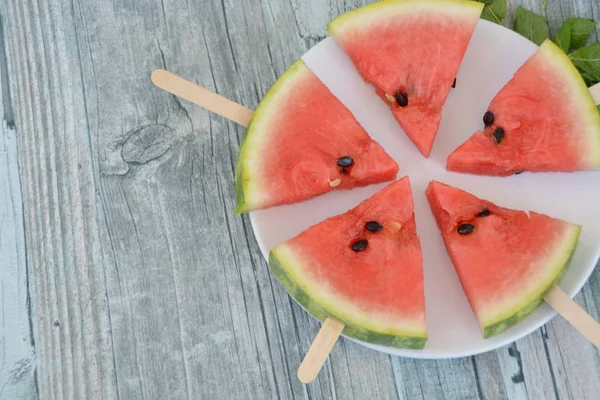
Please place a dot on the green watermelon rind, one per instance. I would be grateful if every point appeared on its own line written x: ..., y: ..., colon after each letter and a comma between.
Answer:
x: 322, y: 311
x: 243, y: 180
x: 522, y: 310
x: 240, y: 199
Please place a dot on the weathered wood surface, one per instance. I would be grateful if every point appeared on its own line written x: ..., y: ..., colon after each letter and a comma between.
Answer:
x: 141, y: 282
x: 17, y: 364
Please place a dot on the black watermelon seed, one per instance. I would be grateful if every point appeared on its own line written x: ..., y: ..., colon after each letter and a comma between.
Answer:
x: 498, y: 135
x: 360, y: 245
x: 454, y: 83
x: 483, y: 213
x: 345, y: 162
x: 519, y: 171
x: 465, y: 229
x: 374, y: 226
x: 401, y: 99
x: 488, y: 118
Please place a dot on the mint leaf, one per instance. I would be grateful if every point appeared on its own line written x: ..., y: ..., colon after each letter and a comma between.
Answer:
x: 485, y: 1
x: 534, y: 27
x: 563, y: 36
x: 582, y: 29
x: 588, y: 79
x: 587, y: 60
x: 574, y: 33
x: 494, y: 10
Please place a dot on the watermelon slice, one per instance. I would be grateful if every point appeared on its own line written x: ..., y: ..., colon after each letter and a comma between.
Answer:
x: 506, y: 259
x: 410, y: 51
x: 303, y: 142
x: 543, y: 120
x: 375, y: 287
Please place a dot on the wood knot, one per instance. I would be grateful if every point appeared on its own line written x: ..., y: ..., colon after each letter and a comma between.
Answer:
x: 147, y: 143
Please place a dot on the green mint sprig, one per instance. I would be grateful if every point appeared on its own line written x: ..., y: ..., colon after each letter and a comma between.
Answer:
x: 587, y: 61
x: 494, y: 10
x: 574, y: 33
x: 572, y: 36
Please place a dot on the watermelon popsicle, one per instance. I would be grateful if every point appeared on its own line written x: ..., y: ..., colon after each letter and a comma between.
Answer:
x: 348, y: 267
x: 543, y: 120
x: 362, y: 269
x: 410, y: 51
x: 303, y: 142
x: 506, y: 259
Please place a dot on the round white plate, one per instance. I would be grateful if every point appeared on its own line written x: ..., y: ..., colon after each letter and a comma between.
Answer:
x: 493, y: 55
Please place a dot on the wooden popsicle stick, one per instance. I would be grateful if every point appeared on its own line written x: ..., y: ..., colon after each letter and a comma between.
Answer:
x: 595, y: 91
x: 574, y: 314
x: 319, y: 350
x: 201, y: 96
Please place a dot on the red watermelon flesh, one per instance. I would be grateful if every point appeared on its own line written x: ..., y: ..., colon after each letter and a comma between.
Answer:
x: 548, y: 119
x: 413, y: 47
x: 297, y: 134
x: 377, y: 292
x: 509, y: 260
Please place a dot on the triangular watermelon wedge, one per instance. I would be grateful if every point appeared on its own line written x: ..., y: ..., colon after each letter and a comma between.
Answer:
x: 374, y: 288
x: 506, y: 259
x: 410, y: 50
x: 543, y: 120
x: 299, y: 136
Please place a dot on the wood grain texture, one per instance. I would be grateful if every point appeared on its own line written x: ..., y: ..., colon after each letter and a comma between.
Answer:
x: 69, y: 303
x: 143, y: 283
x: 17, y: 359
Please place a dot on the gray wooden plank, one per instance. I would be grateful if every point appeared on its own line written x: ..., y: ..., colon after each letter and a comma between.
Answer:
x: 490, y: 379
x: 557, y: 362
x: 438, y: 379
x: 511, y: 370
x: 68, y: 296
x: 17, y: 358
x: 576, y: 357
x: 464, y: 378
x: 417, y: 379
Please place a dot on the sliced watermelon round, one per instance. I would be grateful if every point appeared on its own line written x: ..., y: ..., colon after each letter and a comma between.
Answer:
x: 543, y: 120
x: 375, y: 287
x: 410, y: 51
x: 293, y: 146
x: 506, y: 259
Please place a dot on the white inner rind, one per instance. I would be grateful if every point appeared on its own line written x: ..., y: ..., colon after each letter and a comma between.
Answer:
x: 547, y: 269
x: 258, y: 136
x: 580, y: 101
x: 328, y: 298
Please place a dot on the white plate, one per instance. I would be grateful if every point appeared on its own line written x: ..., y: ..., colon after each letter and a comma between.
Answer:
x: 493, y: 55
